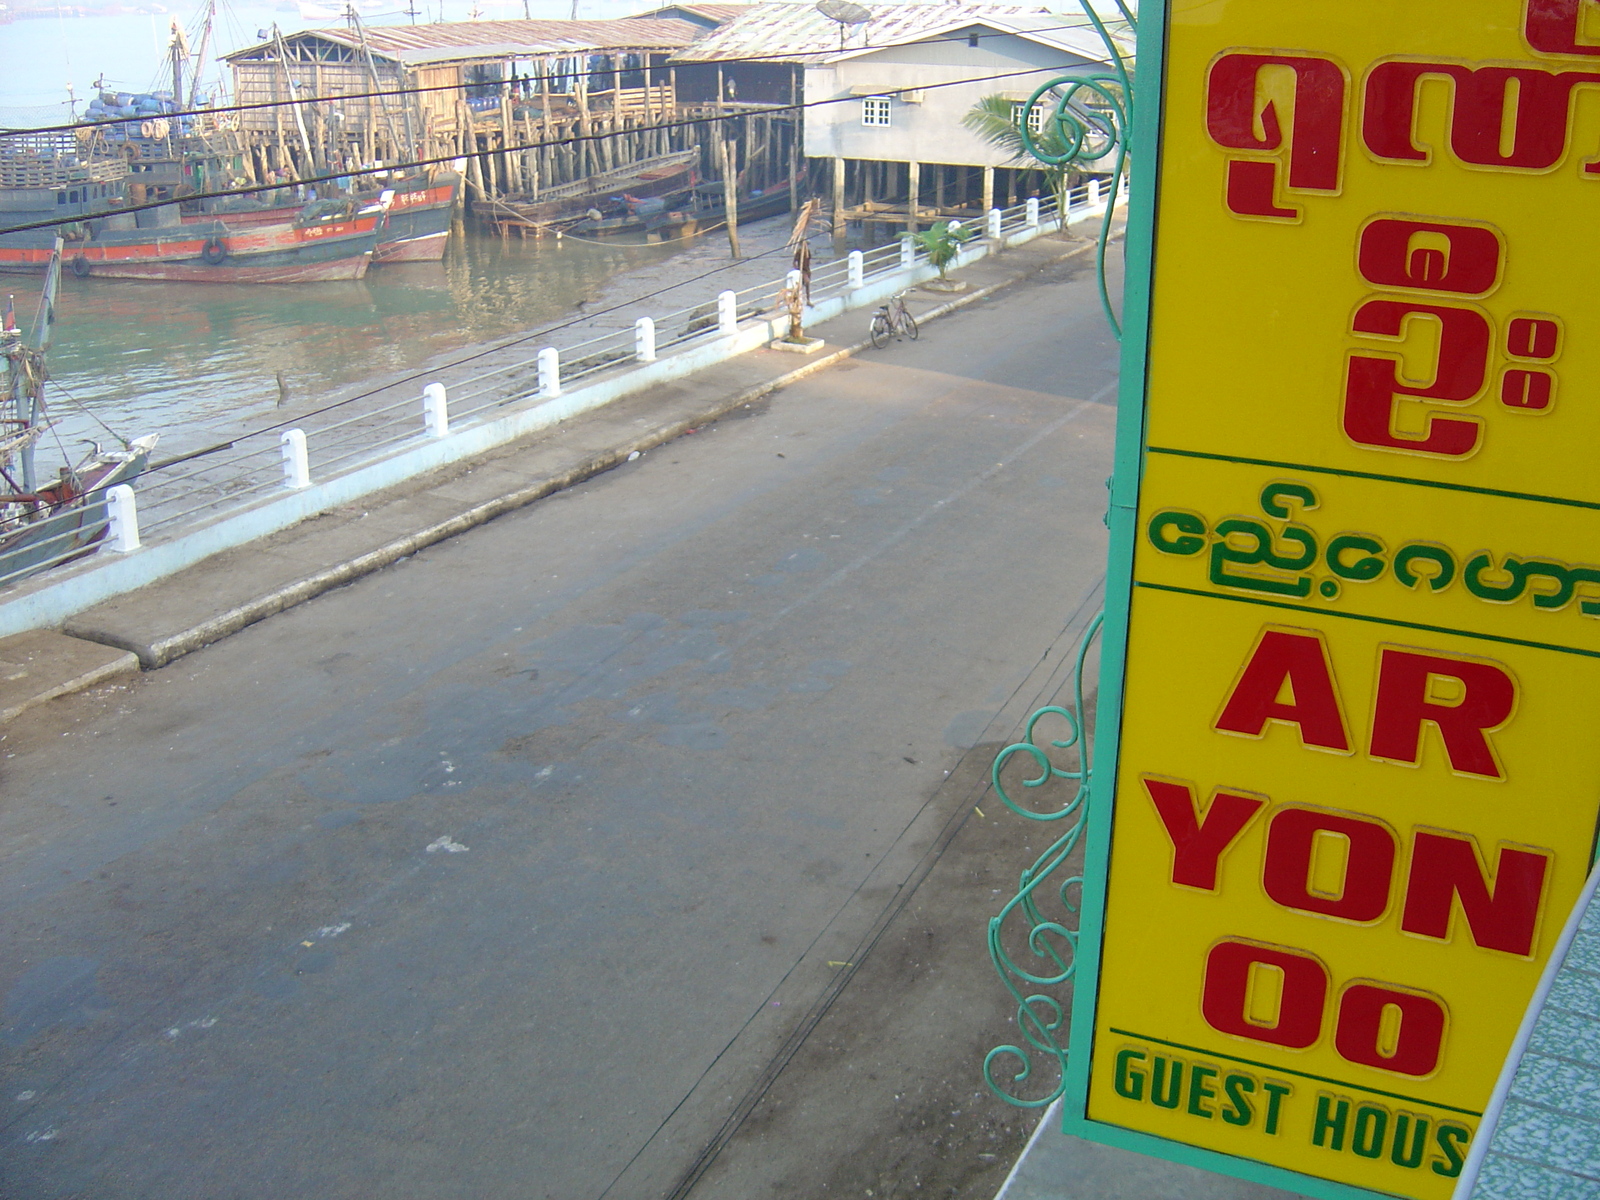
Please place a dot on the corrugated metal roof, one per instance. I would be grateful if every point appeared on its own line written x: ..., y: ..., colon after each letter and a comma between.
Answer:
x: 452, y: 40
x: 719, y: 13
x: 790, y: 32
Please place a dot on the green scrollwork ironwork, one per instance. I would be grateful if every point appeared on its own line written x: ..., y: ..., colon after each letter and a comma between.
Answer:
x: 1090, y: 122
x: 1040, y: 1016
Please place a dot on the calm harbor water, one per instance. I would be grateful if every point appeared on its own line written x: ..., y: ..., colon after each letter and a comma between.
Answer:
x: 188, y: 360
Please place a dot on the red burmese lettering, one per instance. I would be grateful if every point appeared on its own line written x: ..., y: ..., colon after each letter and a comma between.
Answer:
x: 1371, y: 384
x: 1369, y: 865
x: 1501, y: 914
x: 1198, y: 846
x: 1315, y: 138
x: 1541, y: 128
x: 1302, y: 660
x: 1402, y: 705
x: 1527, y: 389
x: 1471, y: 267
x: 1551, y: 26
x: 1358, y: 1034
x: 1533, y: 337
x: 1225, y: 995
x: 1250, y: 190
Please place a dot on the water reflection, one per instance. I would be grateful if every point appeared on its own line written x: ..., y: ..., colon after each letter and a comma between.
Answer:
x: 186, y: 360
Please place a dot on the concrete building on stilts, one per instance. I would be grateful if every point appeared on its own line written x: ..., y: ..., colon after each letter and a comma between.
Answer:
x: 884, y: 99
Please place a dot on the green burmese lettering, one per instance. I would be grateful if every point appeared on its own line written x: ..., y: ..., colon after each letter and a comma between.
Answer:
x: 1239, y: 1111
x: 1223, y: 554
x: 1566, y: 583
x: 1425, y: 552
x: 1168, y: 1071
x: 1191, y: 529
x: 1450, y: 1139
x: 1402, y: 1154
x: 1273, y: 495
x: 1362, y: 569
x: 1589, y: 608
x: 1129, y: 1079
x: 1275, y: 1094
x: 1199, y: 1092
x: 1494, y: 592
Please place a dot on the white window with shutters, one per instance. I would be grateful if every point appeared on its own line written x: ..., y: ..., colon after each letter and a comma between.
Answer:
x: 1036, y: 115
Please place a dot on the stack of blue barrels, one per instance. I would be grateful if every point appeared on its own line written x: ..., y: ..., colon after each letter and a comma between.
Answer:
x: 144, y: 116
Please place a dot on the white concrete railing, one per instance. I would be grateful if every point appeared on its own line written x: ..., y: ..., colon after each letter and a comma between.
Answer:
x: 268, y: 484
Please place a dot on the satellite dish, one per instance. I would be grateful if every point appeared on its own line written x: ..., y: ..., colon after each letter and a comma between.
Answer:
x: 846, y: 13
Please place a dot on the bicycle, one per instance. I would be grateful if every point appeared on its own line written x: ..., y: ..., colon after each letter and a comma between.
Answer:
x: 892, y: 318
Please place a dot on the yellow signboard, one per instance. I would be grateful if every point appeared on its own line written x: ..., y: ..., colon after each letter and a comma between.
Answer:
x: 1357, y: 778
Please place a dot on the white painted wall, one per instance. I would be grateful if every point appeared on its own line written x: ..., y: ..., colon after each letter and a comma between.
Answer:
x: 930, y: 131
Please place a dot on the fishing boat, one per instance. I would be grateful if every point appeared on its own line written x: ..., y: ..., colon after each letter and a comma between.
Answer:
x: 417, y: 207
x: 711, y: 203
x: 568, y: 203
x: 683, y: 214
x: 629, y: 215
x: 45, y: 524
x: 59, y: 189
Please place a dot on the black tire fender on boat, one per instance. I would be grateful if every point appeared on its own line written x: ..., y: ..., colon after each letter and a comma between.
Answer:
x: 80, y: 266
x: 215, y: 252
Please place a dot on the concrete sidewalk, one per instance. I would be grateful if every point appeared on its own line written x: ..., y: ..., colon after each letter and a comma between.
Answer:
x: 229, y: 591
x: 1057, y: 1167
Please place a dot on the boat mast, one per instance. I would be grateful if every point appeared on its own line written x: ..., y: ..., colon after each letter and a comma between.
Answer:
x: 200, y: 59
x: 179, y: 47
x: 27, y: 369
x: 377, y: 86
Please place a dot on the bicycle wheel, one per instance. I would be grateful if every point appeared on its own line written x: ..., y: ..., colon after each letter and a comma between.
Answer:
x: 908, y: 324
x: 879, y: 330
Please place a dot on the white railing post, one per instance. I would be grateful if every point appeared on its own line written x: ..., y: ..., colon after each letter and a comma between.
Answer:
x: 993, y: 228
x: 858, y: 269
x: 549, y: 372
x: 727, y: 313
x: 1094, y: 192
x: 122, y: 517
x: 435, y: 410
x: 1033, y: 212
x: 296, y: 464
x: 908, y: 251
x: 644, y: 340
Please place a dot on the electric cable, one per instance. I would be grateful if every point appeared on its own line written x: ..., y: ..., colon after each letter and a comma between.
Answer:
x: 497, y: 347
x: 453, y: 87
x: 574, y: 139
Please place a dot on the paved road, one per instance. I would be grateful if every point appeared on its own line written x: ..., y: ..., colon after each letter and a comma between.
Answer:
x: 499, y: 873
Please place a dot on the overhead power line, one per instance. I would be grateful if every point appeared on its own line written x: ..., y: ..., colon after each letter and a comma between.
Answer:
x: 455, y: 87
x: 573, y: 140
x: 540, y: 334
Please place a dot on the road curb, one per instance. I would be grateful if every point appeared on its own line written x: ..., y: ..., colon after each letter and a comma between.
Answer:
x: 159, y: 652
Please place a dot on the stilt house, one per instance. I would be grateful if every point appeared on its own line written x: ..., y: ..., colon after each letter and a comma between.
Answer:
x: 885, y: 99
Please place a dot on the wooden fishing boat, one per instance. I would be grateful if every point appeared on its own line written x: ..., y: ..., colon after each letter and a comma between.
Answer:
x: 417, y: 208
x: 684, y: 214
x: 64, y: 194
x: 44, y: 525
x: 711, y: 205
x: 568, y: 203
x: 630, y: 215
